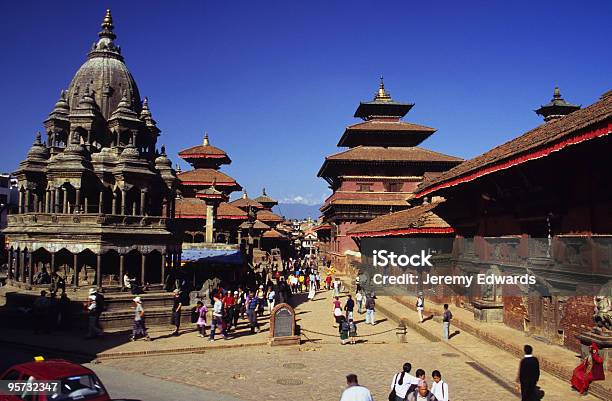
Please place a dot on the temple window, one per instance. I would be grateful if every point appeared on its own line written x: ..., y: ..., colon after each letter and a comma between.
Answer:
x: 364, y: 187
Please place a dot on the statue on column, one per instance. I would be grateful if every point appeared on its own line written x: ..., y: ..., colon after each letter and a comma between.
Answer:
x: 602, y: 313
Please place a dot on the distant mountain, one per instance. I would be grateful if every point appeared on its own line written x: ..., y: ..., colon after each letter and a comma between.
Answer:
x: 297, y: 211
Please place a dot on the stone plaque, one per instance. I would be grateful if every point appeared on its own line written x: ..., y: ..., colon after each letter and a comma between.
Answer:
x: 284, y: 323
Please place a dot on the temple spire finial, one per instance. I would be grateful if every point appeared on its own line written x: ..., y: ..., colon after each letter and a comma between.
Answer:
x: 263, y: 191
x: 206, y: 142
x: 38, y: 138
x: 557, y: 93
x: 107, y: 26
x: 382, y: 94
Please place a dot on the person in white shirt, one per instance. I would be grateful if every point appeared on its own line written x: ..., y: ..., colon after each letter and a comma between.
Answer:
x: 355, y: 392
x: 439, y: 388
x: 404, y: 381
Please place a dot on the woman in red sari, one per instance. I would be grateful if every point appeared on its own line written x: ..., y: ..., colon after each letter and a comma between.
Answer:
x: 590, y: 369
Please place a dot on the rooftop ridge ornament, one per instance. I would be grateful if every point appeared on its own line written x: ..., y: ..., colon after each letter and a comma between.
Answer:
x: 557, y: 107
x: 37, y: 141
x: 206, y: 142
x: 382, y: 95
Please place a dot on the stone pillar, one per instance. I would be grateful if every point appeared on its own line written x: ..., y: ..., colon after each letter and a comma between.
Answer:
x: 75, y: 258
x: 30, y: 265
x: 121, y: 268
x: 35, y: 208
x: 99, y: 270
x: 27, y: 201
x: 101, y: 202
x: 77, y: 199
x: 172, y: 206
x: 123, y: 197
x: 52, y: 267
x: 47, y: 201
x: 22, y: 266
x: 163, y: 268
x: 20, y: 201
x: 114, y: 204
x: 56, y: 201
x: 143, y: 259
x: 65, y: 200
x: 143, y: 194
x: 10, y: 264
x: 134, y: 208
x: 210, y: 221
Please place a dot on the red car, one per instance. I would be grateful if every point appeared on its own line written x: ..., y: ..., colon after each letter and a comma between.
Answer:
x: 77, y: 382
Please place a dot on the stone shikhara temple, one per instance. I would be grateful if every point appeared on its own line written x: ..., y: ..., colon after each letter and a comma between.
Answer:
x: 96, y: 198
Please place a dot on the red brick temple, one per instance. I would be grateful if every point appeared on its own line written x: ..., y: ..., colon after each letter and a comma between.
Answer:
x: 539, y: 203
x: 378, y: 173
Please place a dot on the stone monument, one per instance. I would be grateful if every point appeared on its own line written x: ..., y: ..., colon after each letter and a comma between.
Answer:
x: 282, y: 326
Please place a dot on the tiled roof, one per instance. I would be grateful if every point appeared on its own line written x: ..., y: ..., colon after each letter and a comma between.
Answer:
x: 257, y: 225
x: 390, y: 154
x: 196, y: 209
x: 378, y: 125
x: 246, y: 202
x: 207, y: 176
x: 268, y: 216
x: 414, y: 220
x: 539, y: 142
x: 273, y: 234
x: 202, y: 151
x: 265, y: 199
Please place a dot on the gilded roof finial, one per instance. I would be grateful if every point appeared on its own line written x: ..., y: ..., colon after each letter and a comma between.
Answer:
x: 244, y: 194
x: 557, y: 94
x: 206, y: 142
x: 382, y: 94
x: 107, y: 26
x: 178, y: 168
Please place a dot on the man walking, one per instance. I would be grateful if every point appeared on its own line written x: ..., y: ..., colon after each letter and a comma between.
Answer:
x: 422, y: 393
x: 355, y: 392
x: 94, y: 311
x: 348, y: 308
x: 528, y: 375
x: 446, y: 319
x: 139, y: 330
x: 370, y: 304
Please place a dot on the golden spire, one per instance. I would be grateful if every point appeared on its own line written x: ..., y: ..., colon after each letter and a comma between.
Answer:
x: 557, y: 93
x: 107, y: 26
x: 382, y: 95
x: 206, y: 142
x: 108, y: 20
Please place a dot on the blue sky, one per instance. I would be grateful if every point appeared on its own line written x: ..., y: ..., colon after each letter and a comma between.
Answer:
x: 275, y: 82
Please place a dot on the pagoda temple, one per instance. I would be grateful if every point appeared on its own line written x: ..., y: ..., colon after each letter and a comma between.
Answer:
x: 379, y: 172
x: 96, y: 197
x: 202, y: 209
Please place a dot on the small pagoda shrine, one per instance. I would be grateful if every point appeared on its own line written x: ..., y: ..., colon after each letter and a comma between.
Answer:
x: 557, y: 107
x: 202, y: 211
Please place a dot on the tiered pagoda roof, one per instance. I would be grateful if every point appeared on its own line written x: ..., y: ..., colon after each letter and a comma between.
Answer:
x: 244, y: 202
x: 265, y: 200
x: 208, y: 176
x: 382, y: 138
x: 205, y: 155
x: 192, y: 208
x: 269, y: 217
